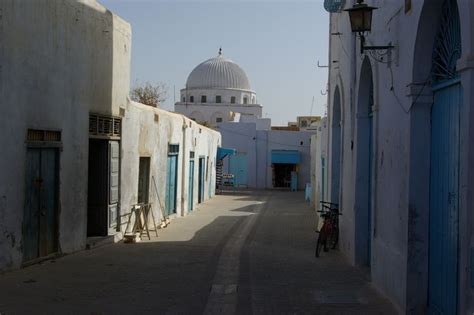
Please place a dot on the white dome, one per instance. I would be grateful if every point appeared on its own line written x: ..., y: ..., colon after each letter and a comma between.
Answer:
x: 218, y: 72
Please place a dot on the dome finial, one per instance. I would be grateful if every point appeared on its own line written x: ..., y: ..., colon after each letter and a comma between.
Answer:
x: 220, y: 51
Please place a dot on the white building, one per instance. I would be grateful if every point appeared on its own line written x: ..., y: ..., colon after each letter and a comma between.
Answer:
x: 215, y: 90
x: 218, y: 93
x: 78, y: 155
x: 401, y: 161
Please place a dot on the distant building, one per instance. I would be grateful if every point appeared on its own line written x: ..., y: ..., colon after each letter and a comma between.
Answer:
x: 218, y: 93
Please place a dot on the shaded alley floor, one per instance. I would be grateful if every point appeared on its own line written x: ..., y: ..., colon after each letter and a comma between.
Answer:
x: 240, y: 253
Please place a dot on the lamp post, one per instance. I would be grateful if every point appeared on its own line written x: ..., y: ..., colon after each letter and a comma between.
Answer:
x: 360, y: 16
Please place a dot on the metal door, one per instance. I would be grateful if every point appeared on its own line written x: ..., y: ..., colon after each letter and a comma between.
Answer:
x: 202, y: 169
x: 444, y: 201
x: 40, y: 212
x: 171, y: 186
x: 238, y: 167
x: 191, y: 186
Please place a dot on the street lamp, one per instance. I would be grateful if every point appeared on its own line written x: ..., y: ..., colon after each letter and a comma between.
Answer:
x: 360, y: 16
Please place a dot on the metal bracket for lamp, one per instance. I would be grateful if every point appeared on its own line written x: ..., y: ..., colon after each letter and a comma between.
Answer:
x: 363, y: 47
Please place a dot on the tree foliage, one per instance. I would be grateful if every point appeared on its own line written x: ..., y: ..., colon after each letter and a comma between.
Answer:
x: 149, y: 94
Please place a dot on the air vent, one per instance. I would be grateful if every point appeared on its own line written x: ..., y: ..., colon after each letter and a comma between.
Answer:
x: 35, y: 135
x: 104, y: 126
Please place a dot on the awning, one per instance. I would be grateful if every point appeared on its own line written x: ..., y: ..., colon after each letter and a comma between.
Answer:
x: 286, y: 157
x: 223, y: 152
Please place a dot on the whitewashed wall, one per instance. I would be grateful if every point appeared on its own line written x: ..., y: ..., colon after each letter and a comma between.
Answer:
x: 58, y: 61
x: 147, y: 132
x: 398, y: 260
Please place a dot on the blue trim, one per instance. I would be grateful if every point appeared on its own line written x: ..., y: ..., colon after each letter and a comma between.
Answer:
x: 223, y: 152
x: 286, y: 157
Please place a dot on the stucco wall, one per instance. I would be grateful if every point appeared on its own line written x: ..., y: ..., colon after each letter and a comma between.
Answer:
x: 57, y: 64
x: 147, y: 132
x: 208, y: 112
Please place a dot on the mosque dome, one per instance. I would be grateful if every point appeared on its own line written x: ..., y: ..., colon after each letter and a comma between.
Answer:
x: 218, y: 72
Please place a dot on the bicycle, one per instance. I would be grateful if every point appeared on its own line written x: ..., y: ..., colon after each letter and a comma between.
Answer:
x: 330, y: 230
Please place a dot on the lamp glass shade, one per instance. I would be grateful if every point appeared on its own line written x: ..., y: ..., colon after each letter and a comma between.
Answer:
x: 360, y: 16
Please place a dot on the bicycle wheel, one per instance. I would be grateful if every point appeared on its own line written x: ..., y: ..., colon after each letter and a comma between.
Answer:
x: 319, y: 245
x: 334, y: 238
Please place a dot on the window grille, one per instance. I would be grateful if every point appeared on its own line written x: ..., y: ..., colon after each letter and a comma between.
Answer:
x: 105, y: 126
x: 191, y: 155
x: 35, y: 135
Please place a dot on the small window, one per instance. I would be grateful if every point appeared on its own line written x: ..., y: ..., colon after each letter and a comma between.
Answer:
x: 218, y: 120
x: 203, y: 99
x: 184, y: 99
x: 245, y: 100
x: 232, y: 100
x: 304, y: 123
x: 191, y: 99
x: 218, y: 99
x: 173, y: 149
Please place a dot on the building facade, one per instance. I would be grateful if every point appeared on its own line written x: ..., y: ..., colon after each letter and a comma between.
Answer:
x: 78, y: 153
x: 218, y: 93
x: 400, y: 161
x: 215, y: 90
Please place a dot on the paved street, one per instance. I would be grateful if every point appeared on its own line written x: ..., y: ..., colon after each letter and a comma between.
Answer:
x: 244, y: 253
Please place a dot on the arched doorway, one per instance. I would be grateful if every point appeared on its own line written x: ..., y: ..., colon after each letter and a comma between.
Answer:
x: 336, y: 147
x: 364, y: 166
x: 444, y: 166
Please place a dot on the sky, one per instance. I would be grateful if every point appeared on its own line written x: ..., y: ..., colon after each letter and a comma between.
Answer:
x: 277, y: 42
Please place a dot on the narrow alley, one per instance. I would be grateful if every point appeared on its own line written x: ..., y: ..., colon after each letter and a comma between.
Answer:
x: 241, y: 253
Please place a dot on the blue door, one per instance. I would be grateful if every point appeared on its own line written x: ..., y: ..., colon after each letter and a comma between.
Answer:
x: 238, y: 167
x: 444, y: 173
x: 191, y: 186
x: 171, y: 184
x: 444, y: 201
x: 370, y: 169
x: 202, y: 170
x: 40, y: 212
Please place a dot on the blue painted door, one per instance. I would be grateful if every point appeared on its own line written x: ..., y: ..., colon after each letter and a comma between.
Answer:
x: 444, y: 201
x: 171, y: 185
x: 444, y: 173
x: 40, y: 212
x: 202, y: 170
x: 191, y: 186
x: 370, y: 183
x: 238, y: 167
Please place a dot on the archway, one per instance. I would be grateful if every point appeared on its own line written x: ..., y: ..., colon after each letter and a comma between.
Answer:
x: 336, y: 147
x: 364, y: 166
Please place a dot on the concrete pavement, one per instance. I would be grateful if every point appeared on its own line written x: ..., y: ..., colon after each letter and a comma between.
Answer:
x: 240, y: 253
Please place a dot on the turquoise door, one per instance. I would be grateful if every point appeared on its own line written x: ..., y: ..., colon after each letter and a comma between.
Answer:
x: 443, y: 292
x: 171, y: 184
x: 238, y: 167
x: 191, y: 186
x: 202, y: 170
